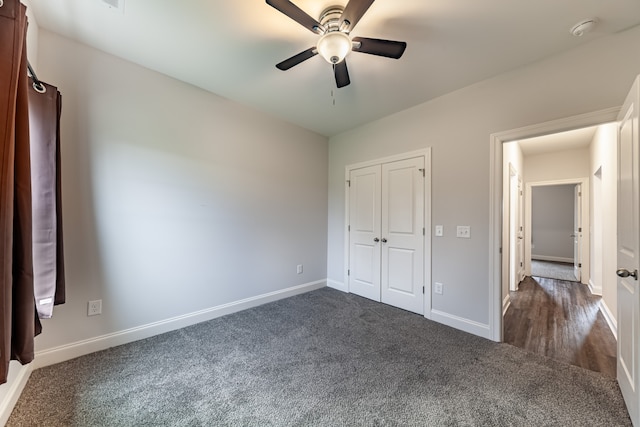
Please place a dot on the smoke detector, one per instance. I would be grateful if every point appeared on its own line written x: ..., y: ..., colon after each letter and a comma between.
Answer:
x: 583, y: 27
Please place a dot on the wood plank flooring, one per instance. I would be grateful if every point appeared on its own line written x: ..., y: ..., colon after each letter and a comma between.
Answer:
x: 560, y: 319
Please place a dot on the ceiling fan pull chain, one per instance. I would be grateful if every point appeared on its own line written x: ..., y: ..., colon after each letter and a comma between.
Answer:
x: 333, y: 94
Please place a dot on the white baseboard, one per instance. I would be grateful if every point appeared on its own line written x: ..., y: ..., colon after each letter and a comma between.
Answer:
x: 80, y: 348
x: 552, y: 258
x: 610, y: 318
x: 506, y: 302
x: 462, y: 324
x: 595, y: 290
x: 10, y: 391
x: 337, y: 285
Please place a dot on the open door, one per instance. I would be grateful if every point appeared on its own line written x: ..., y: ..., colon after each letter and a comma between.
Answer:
x: 516, y: 229
x: 577, y: 232
x: 628, y: 253
x: 520, y: 237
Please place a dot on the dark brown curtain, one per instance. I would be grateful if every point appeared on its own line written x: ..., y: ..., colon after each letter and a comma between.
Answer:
x: 19, y: 322
x: 29, y: 127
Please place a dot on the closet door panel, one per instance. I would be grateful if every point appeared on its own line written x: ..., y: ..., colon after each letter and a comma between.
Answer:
x: 402, y: 262
x: 364, y: 224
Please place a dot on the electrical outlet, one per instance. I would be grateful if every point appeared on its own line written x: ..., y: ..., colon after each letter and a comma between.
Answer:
x: 437, y: 288
x: 94, y: 307
x: 299, y: 269
x: 463, y: 231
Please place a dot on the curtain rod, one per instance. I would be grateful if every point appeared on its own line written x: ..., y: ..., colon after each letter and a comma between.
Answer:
x: 37, y: 84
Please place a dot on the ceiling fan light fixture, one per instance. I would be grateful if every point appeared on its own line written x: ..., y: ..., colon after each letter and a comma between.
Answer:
x: 334, y: 46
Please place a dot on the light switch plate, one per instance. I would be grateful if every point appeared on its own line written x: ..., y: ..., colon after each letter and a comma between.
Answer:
x: 463, y: 231
x: 437, y: 288
x: 439, y: 231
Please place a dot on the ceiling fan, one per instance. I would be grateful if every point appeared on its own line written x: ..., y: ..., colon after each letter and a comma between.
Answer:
x: 334, y: 26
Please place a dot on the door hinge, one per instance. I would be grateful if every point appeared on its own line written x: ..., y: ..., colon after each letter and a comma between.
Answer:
x: 579, y: 193
x: 349, y: 182
x: 348, y: 228
x: 520, y: 264
x: 521, y: 192
x: 348, y: 272
x: 422, y: 170
x: 423, y: 289
x: 580, y: 229
x: 579, y: 265
x: 423, y: 232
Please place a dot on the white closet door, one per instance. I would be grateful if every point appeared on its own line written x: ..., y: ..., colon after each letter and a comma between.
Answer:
x: 402, y: 238
x: 364, y: 223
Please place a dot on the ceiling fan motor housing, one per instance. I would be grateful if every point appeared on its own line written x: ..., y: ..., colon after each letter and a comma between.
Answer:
x: 330, y: 18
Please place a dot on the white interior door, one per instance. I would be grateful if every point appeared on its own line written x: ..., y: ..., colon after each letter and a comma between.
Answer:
x: 628, y: 366
x: 513, y: 228
x: 403, y: 231
x: 364, y: 232
x: 577, y: 231
x: 520, y: 232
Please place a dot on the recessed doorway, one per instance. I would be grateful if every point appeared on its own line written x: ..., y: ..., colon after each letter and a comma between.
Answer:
x: 558, y: 287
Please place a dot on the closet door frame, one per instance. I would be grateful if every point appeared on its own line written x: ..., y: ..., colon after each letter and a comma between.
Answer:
x: 426, y: 153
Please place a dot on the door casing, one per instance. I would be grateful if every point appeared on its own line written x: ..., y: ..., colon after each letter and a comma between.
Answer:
x: 496, y: 214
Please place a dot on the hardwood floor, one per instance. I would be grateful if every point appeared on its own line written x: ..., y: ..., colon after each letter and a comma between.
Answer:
x: 561, y: 320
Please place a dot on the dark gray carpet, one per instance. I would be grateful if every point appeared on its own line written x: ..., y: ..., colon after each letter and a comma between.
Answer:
x: 323, y: 358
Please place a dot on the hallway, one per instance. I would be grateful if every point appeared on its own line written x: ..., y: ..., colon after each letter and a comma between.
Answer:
x: 560, y: 319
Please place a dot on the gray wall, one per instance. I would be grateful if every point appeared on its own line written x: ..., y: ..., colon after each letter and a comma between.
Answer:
x: 175, y: 200
x: 458, y: 126
x: 552, y: 210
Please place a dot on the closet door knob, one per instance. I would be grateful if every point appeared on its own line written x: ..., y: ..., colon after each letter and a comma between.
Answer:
x: 384, y: 240
x: 376, y: 240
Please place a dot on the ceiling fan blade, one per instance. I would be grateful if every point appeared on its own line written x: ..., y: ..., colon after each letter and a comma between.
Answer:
x: 342, y: 74
x: 296, y: 59
x: 353, y: 12
x: 297, y: 14
x: 386, y: 48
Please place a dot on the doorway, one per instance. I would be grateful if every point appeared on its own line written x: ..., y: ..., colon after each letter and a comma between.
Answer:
x: 558, y: 177
x: 498, y: 273
x: 558, y: 213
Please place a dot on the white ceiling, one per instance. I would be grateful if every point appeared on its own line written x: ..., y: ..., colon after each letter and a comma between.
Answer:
x: 573, y: 139
x: 231, y: 48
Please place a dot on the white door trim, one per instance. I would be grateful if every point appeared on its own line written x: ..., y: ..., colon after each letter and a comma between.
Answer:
x: 586, y: 222
x: 495, y: 194
x: 427, y: 216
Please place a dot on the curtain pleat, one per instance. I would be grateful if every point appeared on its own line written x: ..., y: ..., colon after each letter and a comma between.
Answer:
x: 60, y: 296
